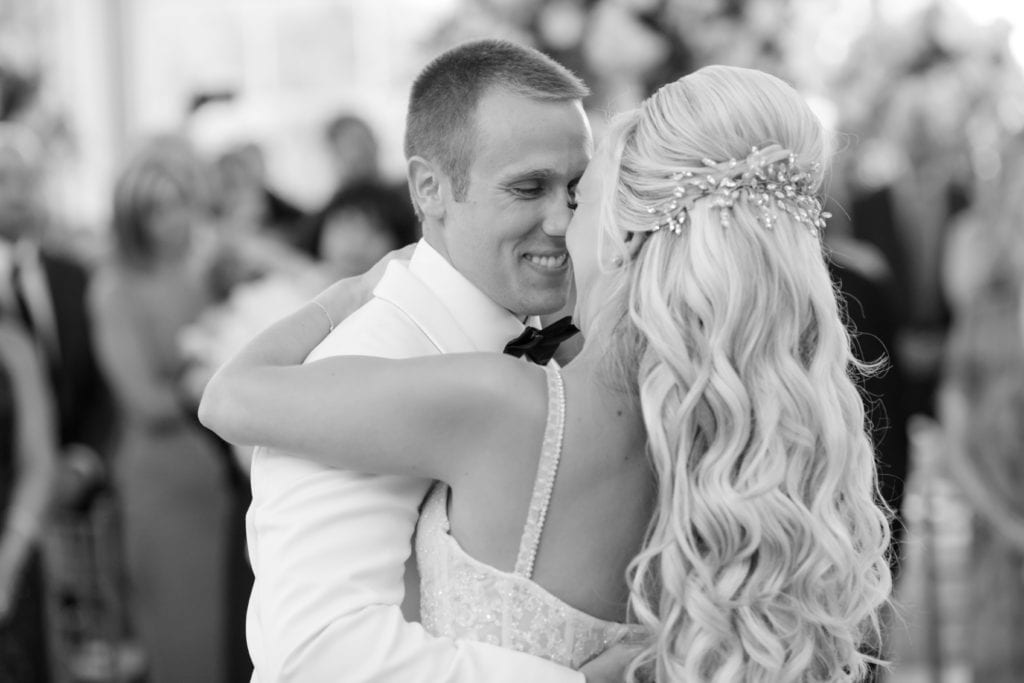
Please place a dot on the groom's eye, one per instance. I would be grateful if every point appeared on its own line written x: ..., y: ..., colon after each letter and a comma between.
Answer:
x: 528, y: 191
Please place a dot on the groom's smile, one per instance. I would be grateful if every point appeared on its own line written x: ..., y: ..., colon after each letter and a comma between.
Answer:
x: 549, y: 262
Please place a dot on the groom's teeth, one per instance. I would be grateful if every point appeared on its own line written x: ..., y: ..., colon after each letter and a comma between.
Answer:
x: 547, y: 261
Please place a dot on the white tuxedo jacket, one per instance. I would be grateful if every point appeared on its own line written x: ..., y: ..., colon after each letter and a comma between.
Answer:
x: 328, y: 546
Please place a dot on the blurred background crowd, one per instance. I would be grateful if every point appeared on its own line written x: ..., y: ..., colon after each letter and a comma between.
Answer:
x: 176, y: 174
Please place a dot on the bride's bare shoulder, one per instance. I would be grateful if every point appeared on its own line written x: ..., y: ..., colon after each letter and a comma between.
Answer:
x: 495, y: 404
x: 491, y: 377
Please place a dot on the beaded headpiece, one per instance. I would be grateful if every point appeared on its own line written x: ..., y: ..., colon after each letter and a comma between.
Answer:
x: 768, y: 177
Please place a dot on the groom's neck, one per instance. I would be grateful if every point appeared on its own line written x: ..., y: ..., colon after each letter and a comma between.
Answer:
x: 438, y: 245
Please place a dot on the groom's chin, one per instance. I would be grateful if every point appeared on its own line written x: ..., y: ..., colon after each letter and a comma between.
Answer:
x: 543, y: 301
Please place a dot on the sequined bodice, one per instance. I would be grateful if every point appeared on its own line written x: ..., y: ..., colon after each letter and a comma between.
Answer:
x: 462, y: 597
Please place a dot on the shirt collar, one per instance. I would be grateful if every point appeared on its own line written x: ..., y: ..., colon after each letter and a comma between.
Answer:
x: 6, y: 265
x: 488, y: 325
x: 19, y: 251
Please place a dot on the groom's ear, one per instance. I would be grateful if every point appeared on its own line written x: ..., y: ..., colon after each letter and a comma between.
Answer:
x: 425, y: 186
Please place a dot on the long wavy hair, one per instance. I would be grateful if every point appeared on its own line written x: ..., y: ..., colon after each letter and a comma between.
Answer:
x: 766, y: 556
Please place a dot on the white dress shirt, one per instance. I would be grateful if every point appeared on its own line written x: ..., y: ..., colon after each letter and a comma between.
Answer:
x: 7, y: 297
x: 22, y: 275
x: 328, y: 546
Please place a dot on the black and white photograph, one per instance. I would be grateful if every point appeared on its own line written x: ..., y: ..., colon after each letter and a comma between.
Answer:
x: 511, y: 341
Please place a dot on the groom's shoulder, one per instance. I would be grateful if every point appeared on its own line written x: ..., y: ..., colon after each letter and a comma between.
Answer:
x: 378, y: 328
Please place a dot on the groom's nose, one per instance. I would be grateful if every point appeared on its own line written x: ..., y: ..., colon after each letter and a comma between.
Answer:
x: 557, y: 217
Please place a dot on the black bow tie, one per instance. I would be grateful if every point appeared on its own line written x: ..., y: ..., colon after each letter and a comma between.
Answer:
x: 540, y: 345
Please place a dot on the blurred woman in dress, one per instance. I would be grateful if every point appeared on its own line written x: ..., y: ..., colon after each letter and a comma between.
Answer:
x: 170, y: 473
x: 982, y: 410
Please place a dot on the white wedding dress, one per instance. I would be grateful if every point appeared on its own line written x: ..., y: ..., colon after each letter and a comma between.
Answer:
x: 465, y: 598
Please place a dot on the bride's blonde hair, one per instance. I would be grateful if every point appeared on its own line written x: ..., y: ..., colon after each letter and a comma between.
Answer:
x: 766, y: 556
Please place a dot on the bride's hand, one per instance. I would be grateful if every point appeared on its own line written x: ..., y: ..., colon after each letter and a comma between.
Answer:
x: 344, y: 297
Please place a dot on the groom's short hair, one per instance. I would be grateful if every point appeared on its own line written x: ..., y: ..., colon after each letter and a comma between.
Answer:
x: 439, y: 125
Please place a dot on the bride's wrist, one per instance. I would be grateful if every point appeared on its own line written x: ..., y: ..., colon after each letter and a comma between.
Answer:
x: 326, y: 314
x: 341, y: 299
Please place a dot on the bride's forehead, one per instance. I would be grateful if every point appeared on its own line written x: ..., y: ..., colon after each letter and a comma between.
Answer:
x: 595, y: 171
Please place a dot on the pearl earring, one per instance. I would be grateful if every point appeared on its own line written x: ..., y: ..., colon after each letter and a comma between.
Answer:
x: 617, y: 261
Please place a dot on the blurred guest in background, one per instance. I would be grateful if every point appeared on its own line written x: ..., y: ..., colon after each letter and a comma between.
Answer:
x: 247, y: 198
x: 170, y: 476
x: 982, y: 410
x: 364, y: 211
x: 48, y: 290
x: 353, y: 150
x: 45, y: 287
x: 28, y: 461
x: 258, y: 229
x: 359, y: 225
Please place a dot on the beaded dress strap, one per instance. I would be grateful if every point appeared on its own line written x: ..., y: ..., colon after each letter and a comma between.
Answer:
x: 547, y: 467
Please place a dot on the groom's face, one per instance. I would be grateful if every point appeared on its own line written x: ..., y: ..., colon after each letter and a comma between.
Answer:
x: 507, y: 235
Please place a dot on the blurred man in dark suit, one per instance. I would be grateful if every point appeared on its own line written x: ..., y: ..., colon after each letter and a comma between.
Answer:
x: 48, y: 292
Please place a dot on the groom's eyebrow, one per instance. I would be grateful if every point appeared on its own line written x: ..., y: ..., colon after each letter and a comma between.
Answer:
x: 531, y: 174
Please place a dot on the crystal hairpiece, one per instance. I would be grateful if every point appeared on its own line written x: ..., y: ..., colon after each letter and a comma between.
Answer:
x: 769, y: 177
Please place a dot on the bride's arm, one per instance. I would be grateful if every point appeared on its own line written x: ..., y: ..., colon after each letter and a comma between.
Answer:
x: 421, y: 416
x: 416, y: 416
